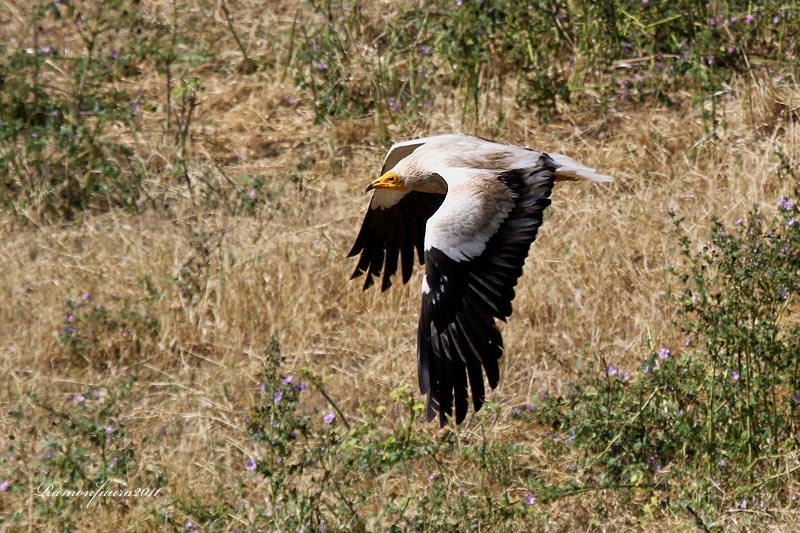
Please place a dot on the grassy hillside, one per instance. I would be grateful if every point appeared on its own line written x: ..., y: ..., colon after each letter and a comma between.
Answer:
x: 181, y: 182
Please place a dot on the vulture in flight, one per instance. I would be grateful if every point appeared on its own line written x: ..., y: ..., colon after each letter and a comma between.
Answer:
x: 469, y: 209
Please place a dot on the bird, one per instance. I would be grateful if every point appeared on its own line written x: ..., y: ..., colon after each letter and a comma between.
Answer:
x: 469, y: 209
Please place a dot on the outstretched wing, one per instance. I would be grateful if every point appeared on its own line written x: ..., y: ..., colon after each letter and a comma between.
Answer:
x: 475, y: 248
x: 394, y: 226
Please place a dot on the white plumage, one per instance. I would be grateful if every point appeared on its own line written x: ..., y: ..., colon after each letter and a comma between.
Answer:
x: 469, y: 209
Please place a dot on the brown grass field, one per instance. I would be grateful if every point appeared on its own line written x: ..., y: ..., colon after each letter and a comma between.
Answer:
x: 594, y: 282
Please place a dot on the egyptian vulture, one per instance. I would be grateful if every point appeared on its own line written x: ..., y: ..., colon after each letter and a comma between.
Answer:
x: 470, y: 209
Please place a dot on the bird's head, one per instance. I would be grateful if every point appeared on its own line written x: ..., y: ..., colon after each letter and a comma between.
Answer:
x: 409, y: 177
x: 390, y: 180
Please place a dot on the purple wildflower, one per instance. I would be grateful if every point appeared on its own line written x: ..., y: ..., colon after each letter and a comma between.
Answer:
x: 611, y: 370
x: 278, y: 396
x: 68, y: 318
x: 425, y: 49
x: 250, y: 465
x: 459, y: 2
x: 432, y: 477
x: 796, y: 398
x: 791, y: 222
x: 110, y: 429
x: 288, y: 379
x: 136, y: 105
x: 329, y: 418
x: 664, y: 353
x: 722, y: 462
x: 45, y: 49
x: 79, y: 398
x: 251, y: 192
x: 739, y: 221
x: 322, y: 67
x: 4, y: 485
x: 300, y: 387
x: 530, y: 499
x: 775, y: 19
x: 393, y: 104
x: 114, y: 54
x: 749, y: 18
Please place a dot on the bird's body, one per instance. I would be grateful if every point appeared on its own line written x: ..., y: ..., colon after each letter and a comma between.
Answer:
x: 470, y: 209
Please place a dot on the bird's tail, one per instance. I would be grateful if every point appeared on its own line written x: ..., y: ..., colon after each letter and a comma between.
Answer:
x: 570, y: 170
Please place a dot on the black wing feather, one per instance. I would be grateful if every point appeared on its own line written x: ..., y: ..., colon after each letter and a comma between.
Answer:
x: 458, y: 337
x: 386, y: 233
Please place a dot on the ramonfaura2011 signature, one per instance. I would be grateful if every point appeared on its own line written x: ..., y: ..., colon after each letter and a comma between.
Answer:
x: 50, y: 491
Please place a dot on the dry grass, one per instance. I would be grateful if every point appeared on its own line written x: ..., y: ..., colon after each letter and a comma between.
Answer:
x: 594, y: 282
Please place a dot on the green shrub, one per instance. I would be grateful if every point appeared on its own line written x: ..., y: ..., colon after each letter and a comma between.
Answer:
x: 58, y: 152
x: 541, y: 52
x: 78, y: 444
x: 715, y: 420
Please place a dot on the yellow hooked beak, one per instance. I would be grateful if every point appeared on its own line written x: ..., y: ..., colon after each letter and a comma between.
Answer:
x: 390, y: 180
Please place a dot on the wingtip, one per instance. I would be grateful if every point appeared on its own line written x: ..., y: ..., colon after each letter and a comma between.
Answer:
x: 369, y: 282
x: 430, y: 411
